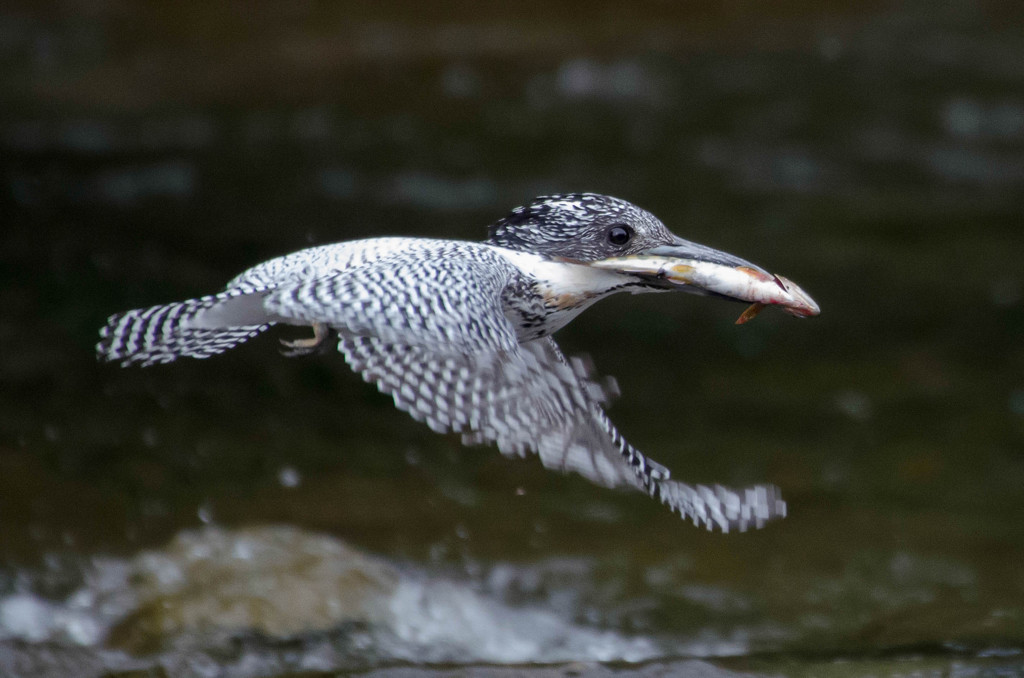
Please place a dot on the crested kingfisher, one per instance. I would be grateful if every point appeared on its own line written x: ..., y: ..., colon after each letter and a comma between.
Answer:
x: 459, y: 333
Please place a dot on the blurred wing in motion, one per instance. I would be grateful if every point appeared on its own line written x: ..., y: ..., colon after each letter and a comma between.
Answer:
x: 532, y: 399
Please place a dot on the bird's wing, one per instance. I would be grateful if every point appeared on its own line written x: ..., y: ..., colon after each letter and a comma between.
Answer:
x: 446, y: 303
x: 431, y: 332
x: 532, y: 399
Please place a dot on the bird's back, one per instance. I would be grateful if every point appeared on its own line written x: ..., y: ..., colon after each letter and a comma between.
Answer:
x: 373, y: 283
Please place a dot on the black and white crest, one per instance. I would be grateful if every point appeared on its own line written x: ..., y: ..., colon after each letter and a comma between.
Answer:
x: 580, y: 226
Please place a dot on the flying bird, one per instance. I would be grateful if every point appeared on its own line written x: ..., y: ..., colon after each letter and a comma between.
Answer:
x: 459, y: 333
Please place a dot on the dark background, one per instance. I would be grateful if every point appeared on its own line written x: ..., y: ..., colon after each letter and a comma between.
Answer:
x: 873, y: 153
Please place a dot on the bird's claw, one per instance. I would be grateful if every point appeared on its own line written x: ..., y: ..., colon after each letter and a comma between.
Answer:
x: 301, y: 347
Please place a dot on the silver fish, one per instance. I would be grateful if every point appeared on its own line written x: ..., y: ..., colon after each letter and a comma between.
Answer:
x: 744, y: 282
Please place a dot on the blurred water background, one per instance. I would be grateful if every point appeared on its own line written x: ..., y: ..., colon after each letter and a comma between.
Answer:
x: 252, y: 515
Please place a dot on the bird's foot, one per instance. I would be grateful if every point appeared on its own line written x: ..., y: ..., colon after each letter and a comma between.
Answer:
x: 299, y: 347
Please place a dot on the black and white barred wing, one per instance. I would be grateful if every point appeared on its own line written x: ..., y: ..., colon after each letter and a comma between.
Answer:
x: 531, y: 399
x: 449, y: 303
x: 432, y: 333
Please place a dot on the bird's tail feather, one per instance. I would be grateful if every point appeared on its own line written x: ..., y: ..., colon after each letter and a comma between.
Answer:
x: 160, y: 334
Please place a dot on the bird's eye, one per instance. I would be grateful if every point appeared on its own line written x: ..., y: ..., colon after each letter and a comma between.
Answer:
x: 619, y: 235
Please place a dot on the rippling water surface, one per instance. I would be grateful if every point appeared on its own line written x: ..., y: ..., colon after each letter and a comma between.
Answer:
x: 252, y: 515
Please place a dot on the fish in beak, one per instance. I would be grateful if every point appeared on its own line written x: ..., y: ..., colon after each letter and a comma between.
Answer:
x: 699, y: 269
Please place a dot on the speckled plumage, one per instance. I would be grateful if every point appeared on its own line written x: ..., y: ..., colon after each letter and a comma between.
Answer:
x: 458, y: 333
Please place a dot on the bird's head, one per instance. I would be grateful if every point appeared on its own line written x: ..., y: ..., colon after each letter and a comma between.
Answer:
x: 579, y: 226
x: 612, y: 234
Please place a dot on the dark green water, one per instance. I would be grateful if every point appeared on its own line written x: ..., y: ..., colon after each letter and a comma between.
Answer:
x: 253, y: 515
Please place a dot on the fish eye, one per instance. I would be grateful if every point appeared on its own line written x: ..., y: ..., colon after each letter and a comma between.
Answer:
x: 619, y: 234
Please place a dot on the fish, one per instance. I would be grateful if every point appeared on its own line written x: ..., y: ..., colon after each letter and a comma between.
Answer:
x: 746, y: 283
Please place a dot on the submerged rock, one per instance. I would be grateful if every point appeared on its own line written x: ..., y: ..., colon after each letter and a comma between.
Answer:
x: 277, y: 581
x: 275, y: 599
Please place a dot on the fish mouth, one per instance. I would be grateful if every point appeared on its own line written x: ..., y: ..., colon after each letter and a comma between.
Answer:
x: 700, y: 269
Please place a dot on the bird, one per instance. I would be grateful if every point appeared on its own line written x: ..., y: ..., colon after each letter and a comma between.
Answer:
x: 459, y: 333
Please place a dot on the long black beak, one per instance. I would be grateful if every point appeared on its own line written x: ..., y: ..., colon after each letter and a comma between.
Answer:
x: 686, y: 250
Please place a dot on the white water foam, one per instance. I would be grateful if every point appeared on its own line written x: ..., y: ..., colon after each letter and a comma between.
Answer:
x: 215, y: 583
